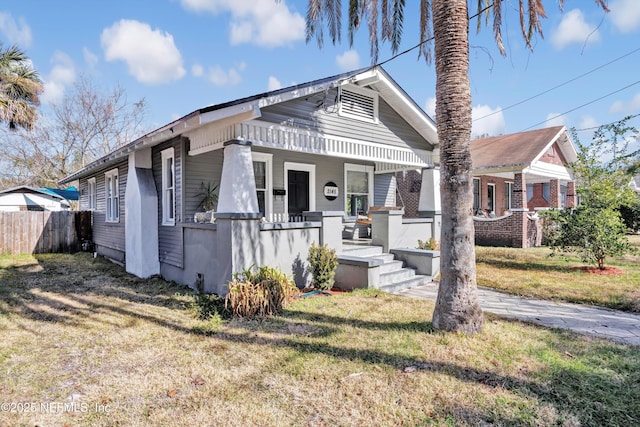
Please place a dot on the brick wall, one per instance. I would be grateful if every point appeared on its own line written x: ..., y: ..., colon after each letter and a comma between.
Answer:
x: 409, y: 184
x: 515, y: 230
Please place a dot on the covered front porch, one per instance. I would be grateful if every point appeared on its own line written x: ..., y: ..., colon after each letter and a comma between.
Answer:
x: 282, y: 188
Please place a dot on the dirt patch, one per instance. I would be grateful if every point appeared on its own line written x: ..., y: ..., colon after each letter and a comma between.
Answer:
x: 606, y: 271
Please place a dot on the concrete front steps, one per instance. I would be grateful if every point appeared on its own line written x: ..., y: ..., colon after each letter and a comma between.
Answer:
x: 369, y: 267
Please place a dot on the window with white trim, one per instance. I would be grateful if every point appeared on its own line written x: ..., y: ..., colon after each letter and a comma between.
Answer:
x: 112, y: 195
x: 359, y: 103
x: 91, y: 194
x: 358, y: 181
x: 508, y: 195
x: 168, y: 187
x: 262, y: 164
x: 491, y: 198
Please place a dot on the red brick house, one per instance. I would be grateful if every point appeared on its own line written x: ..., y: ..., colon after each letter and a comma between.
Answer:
x: 516, y: 175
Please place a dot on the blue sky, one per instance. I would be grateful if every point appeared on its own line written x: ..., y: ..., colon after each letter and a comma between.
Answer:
x: 181, y: 55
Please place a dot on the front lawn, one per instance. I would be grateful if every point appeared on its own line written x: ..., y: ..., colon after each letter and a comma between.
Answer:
x: 85, y: 344
x: 533, y: 273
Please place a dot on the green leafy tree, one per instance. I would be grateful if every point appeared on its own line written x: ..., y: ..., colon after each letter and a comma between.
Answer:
x: 595, y: 229
x: 20, y: 88
x: 457, y: 307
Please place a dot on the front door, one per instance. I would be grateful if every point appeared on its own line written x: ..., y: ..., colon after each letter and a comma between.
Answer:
x: 298, y: 193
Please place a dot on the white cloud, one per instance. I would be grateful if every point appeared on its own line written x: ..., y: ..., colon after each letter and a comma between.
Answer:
x: 220, y: 77
x: 264, y: 23
x: 197, y: 70
x: 89, y: 57
x: 574, y: 29
x: 348, y: 61
x: 487, y: 121
x: 151, y: 55
x: 555, y: 119
x: 625, y: 15
x: 62, y: 75
x: 274, y: 84
x: 430, y: 107
x: 630, y: 107
x: 587, y: 122
x: 18, y: 33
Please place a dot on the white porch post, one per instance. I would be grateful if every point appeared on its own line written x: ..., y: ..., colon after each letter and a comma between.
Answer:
x: 430, y: 204
x: 141, y: 219
x: 237, y: 184
x: 430, y: 192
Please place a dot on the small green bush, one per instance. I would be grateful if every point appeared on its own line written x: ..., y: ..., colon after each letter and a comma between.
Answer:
x: 323, y: 263
x: 431, y: 244
x: 206, y: 306
x: 259, y: 292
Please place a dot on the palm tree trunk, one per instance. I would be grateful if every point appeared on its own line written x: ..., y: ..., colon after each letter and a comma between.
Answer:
x: 457, y: 307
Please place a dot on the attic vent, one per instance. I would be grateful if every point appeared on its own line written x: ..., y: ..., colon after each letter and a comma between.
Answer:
x: 359, y: 104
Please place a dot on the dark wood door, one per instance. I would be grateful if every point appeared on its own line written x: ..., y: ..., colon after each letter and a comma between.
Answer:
x: 298, y: 191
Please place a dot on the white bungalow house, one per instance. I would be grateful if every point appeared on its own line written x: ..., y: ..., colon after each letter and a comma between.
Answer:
x: 292, y: 167
x: 25, y: 198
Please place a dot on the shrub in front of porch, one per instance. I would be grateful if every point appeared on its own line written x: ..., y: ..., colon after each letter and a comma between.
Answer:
x: 323, y: 263
x: 259, y: 292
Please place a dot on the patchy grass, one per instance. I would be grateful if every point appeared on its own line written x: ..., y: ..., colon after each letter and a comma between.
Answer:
x: 534, y: 273
x: 117, y: 350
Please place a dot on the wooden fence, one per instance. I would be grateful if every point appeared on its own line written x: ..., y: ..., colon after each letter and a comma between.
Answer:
x: 41, y: 232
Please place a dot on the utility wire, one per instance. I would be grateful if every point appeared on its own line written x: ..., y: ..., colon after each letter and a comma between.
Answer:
x: 583, y: 105
x: 558, y: 86
x: 606, y: 124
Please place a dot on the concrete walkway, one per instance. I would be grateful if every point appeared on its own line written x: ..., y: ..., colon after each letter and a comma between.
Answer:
x: 604, y: 323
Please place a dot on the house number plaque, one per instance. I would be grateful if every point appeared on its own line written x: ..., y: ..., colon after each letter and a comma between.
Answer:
x: 331, y: 191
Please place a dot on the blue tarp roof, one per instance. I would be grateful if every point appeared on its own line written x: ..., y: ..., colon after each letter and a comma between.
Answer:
x: 69, y: 193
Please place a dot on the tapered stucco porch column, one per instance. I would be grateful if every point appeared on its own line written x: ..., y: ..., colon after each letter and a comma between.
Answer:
x: 141, y: 219
x: 238, y: 216
x: 429, y: 205
x: 237, y: 184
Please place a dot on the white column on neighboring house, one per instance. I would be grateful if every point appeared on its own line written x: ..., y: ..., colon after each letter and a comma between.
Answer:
x: 429, y: 203
x: 141, y: 219
x: 237, y: 184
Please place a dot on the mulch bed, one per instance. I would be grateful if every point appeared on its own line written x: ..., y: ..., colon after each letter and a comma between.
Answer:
x: 606, y: 271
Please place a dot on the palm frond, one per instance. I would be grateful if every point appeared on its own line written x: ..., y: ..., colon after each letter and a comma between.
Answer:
x: 333, y: 13
x: 370, y: 9
x: 497, y: 25
x: 397, y: 24
x: 354, y: 18
x: 425, y: 30
x: 385, y: 13
x: 314, y: 23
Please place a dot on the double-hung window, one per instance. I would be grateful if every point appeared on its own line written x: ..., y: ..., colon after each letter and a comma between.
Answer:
x: 359, y: 189
x: 262, y: 164
x: 112, y: 193
x: 508, y: 195
x: 168, y: 187
x: 91, y: 194
x: 491, y: 198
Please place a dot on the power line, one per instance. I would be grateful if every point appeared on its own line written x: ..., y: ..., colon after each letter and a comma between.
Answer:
x: 480, y: 12
x: 558, y: 86
x: 607, y: 124
x: 583, y: 105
